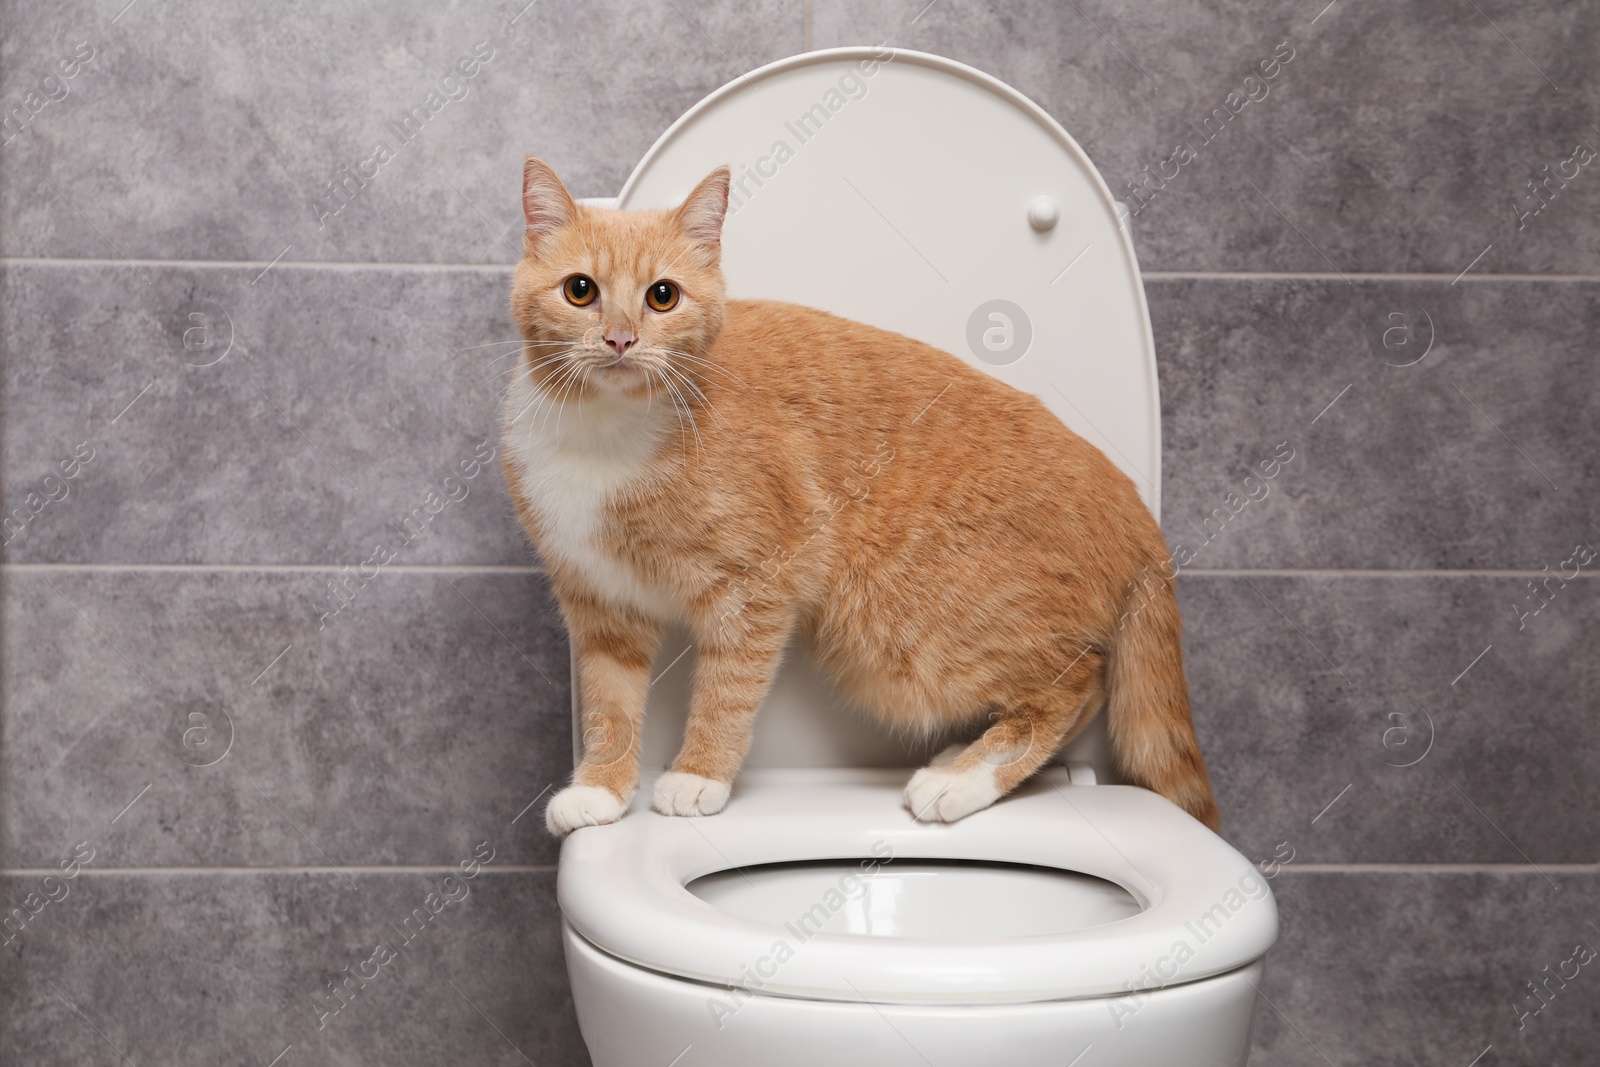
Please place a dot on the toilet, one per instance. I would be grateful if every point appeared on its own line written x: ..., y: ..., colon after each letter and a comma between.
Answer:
x: 1076, y: 923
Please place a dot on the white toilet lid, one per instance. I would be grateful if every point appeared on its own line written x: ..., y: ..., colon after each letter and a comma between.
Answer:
x: 903, y: 202
x: 1206, y: 909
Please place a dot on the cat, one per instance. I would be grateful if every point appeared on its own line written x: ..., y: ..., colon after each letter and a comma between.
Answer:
x: 754, y: 469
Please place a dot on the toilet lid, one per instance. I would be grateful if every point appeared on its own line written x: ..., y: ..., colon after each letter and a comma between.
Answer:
x: 894, y: 188
x: 1205, y: 909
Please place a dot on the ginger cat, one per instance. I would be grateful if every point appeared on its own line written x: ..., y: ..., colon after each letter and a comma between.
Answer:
x: 752, y: 469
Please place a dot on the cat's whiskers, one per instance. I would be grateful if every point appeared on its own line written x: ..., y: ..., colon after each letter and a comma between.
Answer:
x: 518, y: 352
x: 492, y: 344
x: 535, y: 404
x: 688, y: 412
x: 513, y: 352
x: 553, y: 393
x: 569, y: 382
x: 500, y: 397
x: 526, y: 375
x: 509, y: 370
x: 650, y: 373
x: 702, y: 361
x: 548, y: 358
x: 529, y: 368
x: 655, y: 365
x: 541, y: 393
x: 578, y: 382
x: 526, y: 404
x: 687, y: 381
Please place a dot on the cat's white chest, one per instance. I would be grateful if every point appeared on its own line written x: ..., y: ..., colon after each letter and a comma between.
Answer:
x: 570, y: 473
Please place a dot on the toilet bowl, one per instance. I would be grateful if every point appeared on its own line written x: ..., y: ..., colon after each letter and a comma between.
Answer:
x: 816, y: 922
x: 1078, y: 922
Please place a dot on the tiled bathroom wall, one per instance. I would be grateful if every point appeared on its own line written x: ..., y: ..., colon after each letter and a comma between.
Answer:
x: 225, y: 387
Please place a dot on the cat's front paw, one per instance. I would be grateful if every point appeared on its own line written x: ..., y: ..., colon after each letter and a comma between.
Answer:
x: 582, y: 805
x: 677, y: 793
x: 937, y: 794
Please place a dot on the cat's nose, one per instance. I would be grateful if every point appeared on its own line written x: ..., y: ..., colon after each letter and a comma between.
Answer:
x: 620, y: 341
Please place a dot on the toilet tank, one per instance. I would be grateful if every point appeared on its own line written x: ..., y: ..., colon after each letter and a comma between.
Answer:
x: 919, y: 195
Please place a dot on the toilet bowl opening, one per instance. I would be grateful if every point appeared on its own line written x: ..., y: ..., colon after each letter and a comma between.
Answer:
x: 914, y: 898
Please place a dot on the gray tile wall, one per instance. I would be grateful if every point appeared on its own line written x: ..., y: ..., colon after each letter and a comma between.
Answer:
x: 251, y: 390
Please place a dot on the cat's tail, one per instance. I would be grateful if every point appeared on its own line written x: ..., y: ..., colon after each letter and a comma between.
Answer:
x: 1152, y: 736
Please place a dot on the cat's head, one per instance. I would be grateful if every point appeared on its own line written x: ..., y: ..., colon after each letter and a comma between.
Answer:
x: 617, y: 301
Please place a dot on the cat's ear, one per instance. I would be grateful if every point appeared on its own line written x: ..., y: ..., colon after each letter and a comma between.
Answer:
x: 701, y: 214
x: 546, y: 204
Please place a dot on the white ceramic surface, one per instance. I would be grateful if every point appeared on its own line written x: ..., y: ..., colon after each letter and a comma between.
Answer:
x: 1205, y: 910
x: 631, y: 1017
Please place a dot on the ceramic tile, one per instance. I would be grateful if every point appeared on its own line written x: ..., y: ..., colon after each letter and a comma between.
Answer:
x: 206, y: 132
x: 231, y: 416
x: 238, y: 968
x: 1430, y: 425
x: 1401, y: 968
x: 198, y: 719
x: 1396, y: 719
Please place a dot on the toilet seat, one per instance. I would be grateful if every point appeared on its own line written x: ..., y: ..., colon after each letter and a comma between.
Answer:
x: 1206, y: 910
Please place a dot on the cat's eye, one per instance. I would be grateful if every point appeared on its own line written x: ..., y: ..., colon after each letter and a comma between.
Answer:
x: 580, y: 291
x: 661, y: 296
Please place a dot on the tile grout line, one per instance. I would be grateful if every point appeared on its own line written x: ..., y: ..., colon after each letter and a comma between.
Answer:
x: 506, y: 268
x: 252, y: 264
x: 141, y: 872
x: 1369, y: 276
x: 287, y: 568
x: 1438, y: 868
x: 1369, y: 572
x: 1296, y: 868
x: 535, y: 569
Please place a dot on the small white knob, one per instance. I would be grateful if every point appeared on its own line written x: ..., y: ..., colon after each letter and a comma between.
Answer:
x: 1043, y: 213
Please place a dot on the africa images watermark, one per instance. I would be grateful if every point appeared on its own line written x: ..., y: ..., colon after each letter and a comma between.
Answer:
x: 851, y: 86
x: 754, y: 976
x: 1541, y: 193
x: 52, y: 488
x: 453, y: 889
x: 1541, y: 595
x: 51, y: 89
x: 343, y: 588
x: 52, y: 889
x: 1541, y: 993
x: 1161, y: 972
x: 352, y: 179
x: 1255, y: 490
x: 856, y: 485
x: 1140, y: 191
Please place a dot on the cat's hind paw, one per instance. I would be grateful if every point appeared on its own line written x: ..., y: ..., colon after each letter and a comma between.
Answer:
x: 677, y: 793
x: 582, y: 805
x: 937, y: 794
